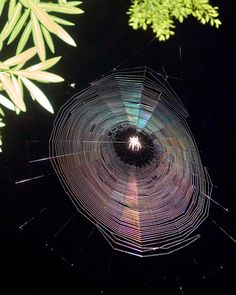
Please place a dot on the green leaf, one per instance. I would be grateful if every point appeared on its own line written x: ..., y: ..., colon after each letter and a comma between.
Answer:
x: 48, y: 39
x: 25, y: 3
x: 202, y: 21
x: 217, y: 23
x: 2, y: 4
x: 17, y: 110
x: 38, y: 37
x: 18, y: 87
x: 11, y: 9
x: 2, y: 124
x: 4, y: 30
x: 42, y: 66
x: 62, y: 21
x: 72, y: 3
x: 6, y: 103
x: 21, y: 58
x: 24, y: 38
x: 2, y: 112
x: 19, y: 26
x: 43, y: 17
x: 61, y: 9
x: 17, y: 68
x: 40, y: 76
x: 12, y: 92
x: 5, y: 33
x: 62, y: 34
x: 49, y: 24
x: 3, y: 66
x: 37, y: 94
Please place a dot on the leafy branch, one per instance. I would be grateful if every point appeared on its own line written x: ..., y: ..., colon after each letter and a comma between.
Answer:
x: 160, y: 15
x: 40, y: 23
x: 13, y: 77
x: 36, y: 19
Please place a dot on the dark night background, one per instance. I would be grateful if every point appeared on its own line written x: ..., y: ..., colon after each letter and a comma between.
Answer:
x: 32, y: 260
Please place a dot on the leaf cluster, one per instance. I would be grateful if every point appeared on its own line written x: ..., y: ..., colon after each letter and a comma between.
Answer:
x: 160, y: 15
x: 35, y: 19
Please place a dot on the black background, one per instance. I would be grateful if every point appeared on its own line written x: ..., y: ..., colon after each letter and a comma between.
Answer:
x: 33, y: 260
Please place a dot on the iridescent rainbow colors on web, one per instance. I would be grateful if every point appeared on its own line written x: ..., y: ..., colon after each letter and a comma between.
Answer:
x: 144, y: 211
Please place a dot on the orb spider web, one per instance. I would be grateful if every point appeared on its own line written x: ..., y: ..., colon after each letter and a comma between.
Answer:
x: 145, y: 202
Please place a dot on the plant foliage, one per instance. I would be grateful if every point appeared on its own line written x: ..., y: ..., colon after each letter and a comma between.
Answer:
x: 26, y: 19
x: 160, y: 15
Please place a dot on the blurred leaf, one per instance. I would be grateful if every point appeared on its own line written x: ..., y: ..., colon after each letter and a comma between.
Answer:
x: 19, y: 26
x: 38, y: 37
x: 11, y: 91
x: 11, y: 9
x: 61, y: 21
x: 40, y: 76
x: 24, y: 38
x: 21, y: 58
x: 17, y: 68
x: 37, y: 94
x: 1, y: 112
x: 45, y: 64
x: 10, y: 25
x: 4, y: 30
x: 61, y: 9
x: 217, y: 23
x: 6, y: 103
x: 72, y: 3
x: 25, y: 3
x: 18, y: 88
x: 3, y: 66
x: 62, y: 34
x: 48, y: 39
x: 2, y: 3
x: 17, y: 110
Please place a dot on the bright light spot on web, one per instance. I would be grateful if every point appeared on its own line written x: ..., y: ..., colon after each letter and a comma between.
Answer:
x: 72, y: 85
x: 134, y: 143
